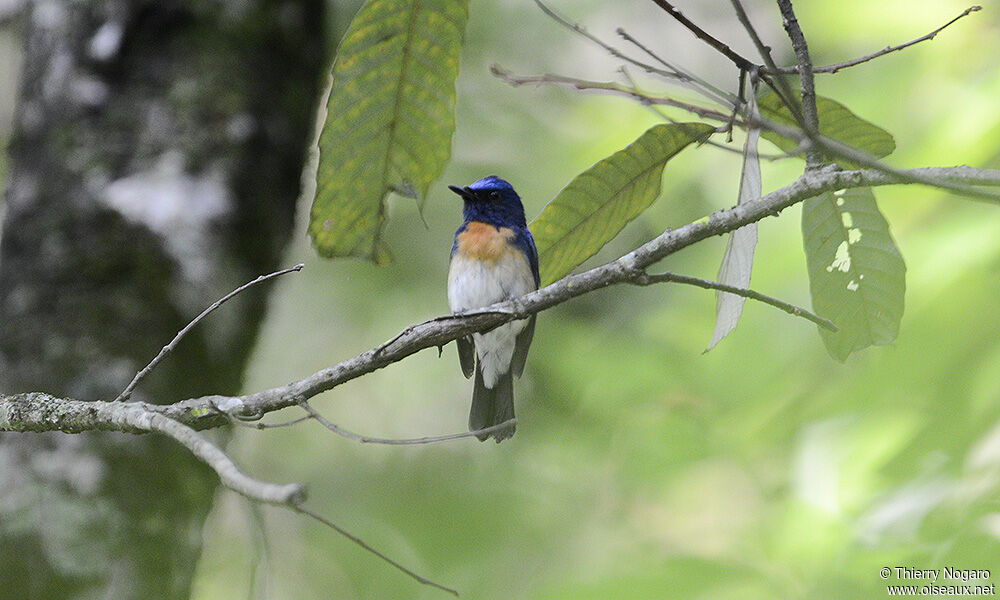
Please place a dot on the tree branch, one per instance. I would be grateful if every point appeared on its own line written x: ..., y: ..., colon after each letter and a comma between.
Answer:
x: 360, y: 542
x: 814, y: 157
x: 741, y: 62
x: 43, y: 412
x: 746, y: 293
x: 291, y: 494
x: 737, y: 59
x: 785, y: 92
x: 180, y: 334
x: 690, y: 79
x: 580, y: 30
x: 807, y: 141
x: 36, y: 411
x: 887, y: 50
x: 672, y: 73
x: 363, y: 439
x: 841, y: 150
x: 615, y: 88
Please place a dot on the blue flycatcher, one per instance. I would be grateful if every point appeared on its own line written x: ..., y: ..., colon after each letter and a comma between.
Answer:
x: 493, y: 259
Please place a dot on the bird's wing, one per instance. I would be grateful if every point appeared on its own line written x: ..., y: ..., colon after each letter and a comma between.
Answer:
x: 521, y: 347
x: 466, y: 355
x: 532, y: 251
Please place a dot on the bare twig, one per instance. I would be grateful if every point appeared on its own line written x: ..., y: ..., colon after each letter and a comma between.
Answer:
x: 230, y: 475
x: 315, y: 414
x: 706, y: 37
x: 841, y: 150
x: 708, y: 142
x: 139, y: 417
x: 615, y: 88
x: 763, y: 49
x: 808, y: 142
x: 180, y: 334
x: 887, y: 50
x: 682, y: 74
x: 580, y: 30
x: 783, y: 90
x: 814, y: 157
x: 658, y: 111
x: 360, y: 542
x: 257, y: 424
x: 740, y: 61
x: 261, y: 556
x: 740, y: 99
x: 696, y: 83
x: 646, y: 279
x: 36, y: 411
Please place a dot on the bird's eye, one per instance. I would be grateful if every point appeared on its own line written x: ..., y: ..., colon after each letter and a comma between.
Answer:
x: 494, y: 195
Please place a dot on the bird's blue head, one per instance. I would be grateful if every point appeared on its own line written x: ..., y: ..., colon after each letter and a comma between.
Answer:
x: 492, y: 200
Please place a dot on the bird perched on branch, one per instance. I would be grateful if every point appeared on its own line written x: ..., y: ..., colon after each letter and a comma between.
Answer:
x: 493, y: 259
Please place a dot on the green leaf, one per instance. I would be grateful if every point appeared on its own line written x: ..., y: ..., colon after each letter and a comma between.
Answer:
x: 390, y: 118
x: 598, y: 203
x: 856, y: 274
x: 835, y: 121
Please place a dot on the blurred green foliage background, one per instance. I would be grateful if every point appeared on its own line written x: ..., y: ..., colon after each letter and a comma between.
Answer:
x: 643, y: 468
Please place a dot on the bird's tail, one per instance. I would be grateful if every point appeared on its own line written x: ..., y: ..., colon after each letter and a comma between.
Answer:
x: 492, y: 406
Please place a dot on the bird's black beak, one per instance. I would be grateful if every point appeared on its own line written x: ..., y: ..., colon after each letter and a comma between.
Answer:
x: 465, y: 192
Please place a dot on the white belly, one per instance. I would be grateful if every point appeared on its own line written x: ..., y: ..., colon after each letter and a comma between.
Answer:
x: 474, y: 284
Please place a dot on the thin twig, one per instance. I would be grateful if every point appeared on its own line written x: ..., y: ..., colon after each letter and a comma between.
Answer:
x: 250, y: 421
x: 841, y: 150
x: 271, y: 493
x: 658, y: 111
x: 763, y: 49
x: 740, y: 61
x: 580, y: 30
x: 256, y: 424
x: 697, y: 83
x: 616, y: 88
x: 364, y: 545
x: 887, y: 50
x: 807, y: 142
x: 681, y: 73
x: 36, y: 411
x: 706, y: 37
x: 261, y: 560
x: 710, y: 142
x: 814, y: 156
x: 785, y: 91
x: 180, y: 334
x: 313, y: 413
x: 647, y: 279
x: 780, y: 86
x: 740, y: 99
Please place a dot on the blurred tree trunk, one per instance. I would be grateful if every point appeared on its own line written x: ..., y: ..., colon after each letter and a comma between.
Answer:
x: 154, y: 166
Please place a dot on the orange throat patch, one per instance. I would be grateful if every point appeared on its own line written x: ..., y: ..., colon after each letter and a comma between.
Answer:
x: 485, y: 242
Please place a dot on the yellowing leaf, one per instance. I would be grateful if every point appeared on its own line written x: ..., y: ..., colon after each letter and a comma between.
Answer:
x: 390, y: 118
